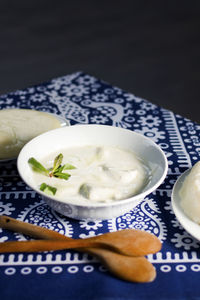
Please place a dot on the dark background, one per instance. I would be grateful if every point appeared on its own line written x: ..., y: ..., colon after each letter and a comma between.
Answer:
x: 149, y: 48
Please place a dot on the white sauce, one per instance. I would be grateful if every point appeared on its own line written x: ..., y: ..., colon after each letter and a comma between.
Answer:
x: 102, y: 174
x: 190, y: 194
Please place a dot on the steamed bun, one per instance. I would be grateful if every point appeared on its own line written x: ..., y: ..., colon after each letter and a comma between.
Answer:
x: 18, y: 126
x: 190, y: 194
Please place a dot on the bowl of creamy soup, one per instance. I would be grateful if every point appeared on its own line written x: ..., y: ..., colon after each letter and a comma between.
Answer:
x: 92, y: 171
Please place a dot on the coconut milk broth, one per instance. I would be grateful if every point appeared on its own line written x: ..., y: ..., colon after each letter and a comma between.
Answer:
x: 101, y: 174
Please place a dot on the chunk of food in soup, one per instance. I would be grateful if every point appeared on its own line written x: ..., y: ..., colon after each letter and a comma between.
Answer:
x: 190, y: 194
x: 101, y: 174
x: 18, y: 126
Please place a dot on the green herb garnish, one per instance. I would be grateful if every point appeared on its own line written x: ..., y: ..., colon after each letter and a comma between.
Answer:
x: 57, y: 163
x: 37, y: 166
x: 68, y: 167
x: 62, y: 175
x: 48, y: 189
x: 55, y: 171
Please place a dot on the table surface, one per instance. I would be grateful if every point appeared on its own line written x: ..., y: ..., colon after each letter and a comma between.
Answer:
x: 83, y: 99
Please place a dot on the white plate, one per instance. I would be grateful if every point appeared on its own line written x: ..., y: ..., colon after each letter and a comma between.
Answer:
x: 63, y: 123
x: 190, y: 226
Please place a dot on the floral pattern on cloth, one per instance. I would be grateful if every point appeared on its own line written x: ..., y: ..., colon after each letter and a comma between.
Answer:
x: 83, y: 99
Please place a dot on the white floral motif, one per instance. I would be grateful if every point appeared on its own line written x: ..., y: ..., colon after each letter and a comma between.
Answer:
x: 119, y: 100
x: 150, y: 121
x: 152, y: 133
x: 74, y: 90
x: 7, y: 101
x: 108, y: 91
x: 19, y: 92
x: 38, y: 97
x: 128, y: 217
x: 148, y: 106
x: 139, y: 225
x: 90, y: 224
x: 100, y: 97
x: 95, y: 87
x: 40, y: 214
x: 136, y: 222
x: 86, y: 80
x: 131, y: 97
x: 144, y: 217
x: 107, y: 110
x: 6, y: 209
x: 99, y: 119
x: 185, y: 240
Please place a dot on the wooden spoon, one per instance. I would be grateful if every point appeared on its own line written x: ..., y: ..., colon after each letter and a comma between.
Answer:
x: 127, y: 242
x: 133, y: 269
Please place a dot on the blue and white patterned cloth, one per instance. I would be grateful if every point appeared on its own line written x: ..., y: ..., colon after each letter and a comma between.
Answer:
x: 83, y: 99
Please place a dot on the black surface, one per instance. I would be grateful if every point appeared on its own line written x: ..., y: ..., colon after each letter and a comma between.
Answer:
x: 149, y: 48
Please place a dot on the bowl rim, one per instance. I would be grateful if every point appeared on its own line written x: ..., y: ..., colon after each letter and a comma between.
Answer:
x: 140, y: 195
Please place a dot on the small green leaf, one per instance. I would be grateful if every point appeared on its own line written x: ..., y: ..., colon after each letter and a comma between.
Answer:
x: 43, y: 186
x: 59, y: 170
x: 47, y: 189
x: 37, y: 166
x: 68, y: 167
x: 57, y: 162
x: 64, y: 167
x: 62, y: 175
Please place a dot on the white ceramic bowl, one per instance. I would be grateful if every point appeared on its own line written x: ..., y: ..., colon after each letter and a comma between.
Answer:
x: 80, y: 135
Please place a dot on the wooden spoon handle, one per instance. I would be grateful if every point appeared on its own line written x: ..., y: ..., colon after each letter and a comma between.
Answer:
x: 30, y: 229
x: 127, y: 242
x: 49, y: 245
